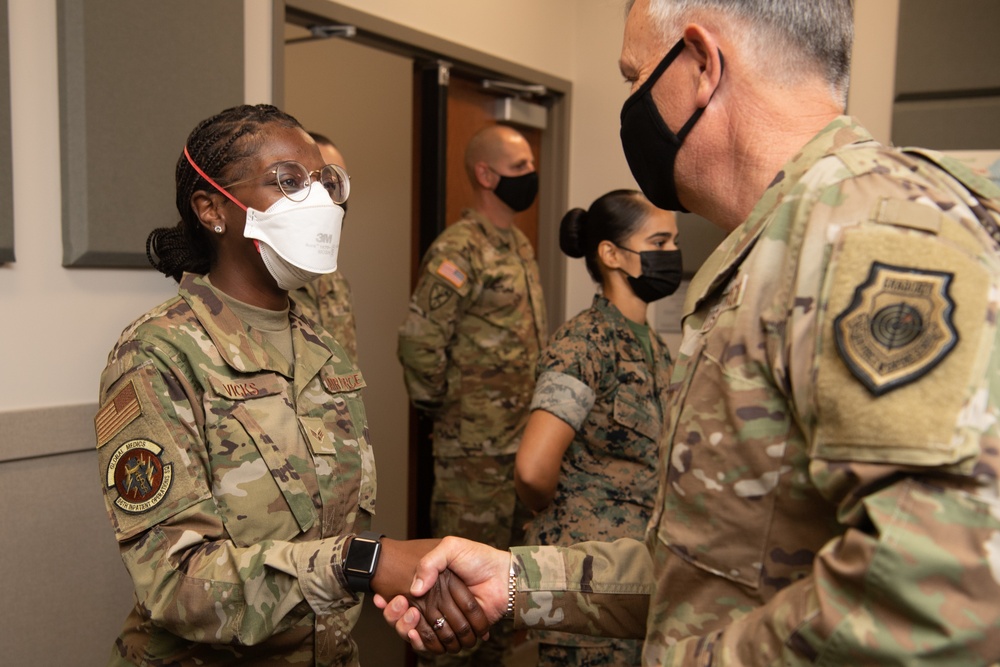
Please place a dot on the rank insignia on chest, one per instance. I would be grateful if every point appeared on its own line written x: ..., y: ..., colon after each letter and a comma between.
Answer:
x: 898, y: 327
x: 137, y: 472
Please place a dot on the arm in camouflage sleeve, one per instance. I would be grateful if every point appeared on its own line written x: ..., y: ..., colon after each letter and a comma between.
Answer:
x: 437, y: 305
x: 595, y: 588
x: 189, y: 577
x: 911, y: 582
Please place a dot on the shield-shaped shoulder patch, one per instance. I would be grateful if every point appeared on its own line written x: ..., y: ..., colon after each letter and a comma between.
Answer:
x: 898, y: 327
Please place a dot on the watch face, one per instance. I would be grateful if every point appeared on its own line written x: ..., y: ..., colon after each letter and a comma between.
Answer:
x: 361, y: 556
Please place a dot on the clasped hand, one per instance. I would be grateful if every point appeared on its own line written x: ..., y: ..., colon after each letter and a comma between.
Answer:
x: 458, y: 590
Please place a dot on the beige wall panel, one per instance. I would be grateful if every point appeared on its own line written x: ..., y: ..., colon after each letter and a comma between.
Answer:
x: 947, y: 45
x: 133, y: 82
x: 965, y: 124
x: 65, y: 589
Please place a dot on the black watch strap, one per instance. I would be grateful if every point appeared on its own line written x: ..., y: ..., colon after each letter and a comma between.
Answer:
x: 361, y: 561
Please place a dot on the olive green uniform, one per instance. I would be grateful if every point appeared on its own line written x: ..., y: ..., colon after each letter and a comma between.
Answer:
x: 232, y: 478
x: 594, y: 376
x: 468, y: 348
x: 828, y: 481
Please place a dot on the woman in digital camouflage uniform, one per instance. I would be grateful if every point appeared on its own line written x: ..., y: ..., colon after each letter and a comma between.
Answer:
x: 586, y: 464
x: 232, y: 439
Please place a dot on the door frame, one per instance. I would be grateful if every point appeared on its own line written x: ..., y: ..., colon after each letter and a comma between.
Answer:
x: 433, y: 60
x: 386, y: 35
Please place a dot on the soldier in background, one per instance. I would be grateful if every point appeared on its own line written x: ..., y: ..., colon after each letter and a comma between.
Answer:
x: 828, y: 480
x: 469, y: 346
x: 327, y: 299
x: 587, y: 462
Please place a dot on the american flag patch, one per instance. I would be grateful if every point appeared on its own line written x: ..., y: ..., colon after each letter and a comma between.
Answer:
x: 117, y: 413
x: 451, y: 273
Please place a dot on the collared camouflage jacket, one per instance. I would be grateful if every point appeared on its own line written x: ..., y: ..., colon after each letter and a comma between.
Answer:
x: 828, y: 482
x: 232, y: 480
x: 470, y: 342
x: 327, y: 301
x: 594, y: 376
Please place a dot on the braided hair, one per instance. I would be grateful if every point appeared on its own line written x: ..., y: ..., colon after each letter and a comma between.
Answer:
x: 612, y: 217
x: 219, y: 145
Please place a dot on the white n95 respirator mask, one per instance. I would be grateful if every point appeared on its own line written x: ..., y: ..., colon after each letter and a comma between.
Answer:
x: 298, y: 241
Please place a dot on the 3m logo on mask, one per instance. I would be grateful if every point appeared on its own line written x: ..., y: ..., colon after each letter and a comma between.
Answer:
x: 298, y: 241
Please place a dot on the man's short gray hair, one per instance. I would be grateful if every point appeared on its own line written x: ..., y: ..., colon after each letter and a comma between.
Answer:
x: 785, y: 38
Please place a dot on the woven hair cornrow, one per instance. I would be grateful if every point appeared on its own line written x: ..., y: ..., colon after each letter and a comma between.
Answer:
x: 218, y: 145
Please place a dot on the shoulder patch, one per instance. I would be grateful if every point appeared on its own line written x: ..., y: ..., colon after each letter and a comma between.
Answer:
x: 117, y: 413
x: 898, y: 327
x: 137, y: 472
x: 440, y: 295
x: 452, y: 273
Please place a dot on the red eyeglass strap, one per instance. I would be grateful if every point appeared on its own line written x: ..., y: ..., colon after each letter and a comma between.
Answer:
x: 211, y: 180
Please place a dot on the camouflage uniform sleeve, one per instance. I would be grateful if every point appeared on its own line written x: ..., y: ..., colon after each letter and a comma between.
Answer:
x: 189, y: 578
x: 907, y: 448
x: 563, y: 396
x: 593, y: 588
x: 445, y: 285
x: 569, y: 370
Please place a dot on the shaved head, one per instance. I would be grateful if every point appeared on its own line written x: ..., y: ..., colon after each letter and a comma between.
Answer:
x: 491, y: 145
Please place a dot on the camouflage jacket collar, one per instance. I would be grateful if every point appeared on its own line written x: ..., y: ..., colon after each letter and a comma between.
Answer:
x: 512, y: 239
x: 715, y: 271
x: 238, y: 348
x: 628, y: 345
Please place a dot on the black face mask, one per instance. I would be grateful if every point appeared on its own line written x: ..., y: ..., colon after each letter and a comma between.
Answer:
x: 661, y: 274
x: 518, y: 192
x: 650, y: 146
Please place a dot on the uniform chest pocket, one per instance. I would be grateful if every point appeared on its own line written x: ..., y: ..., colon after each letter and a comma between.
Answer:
x: 504, y: 289
x: 337, y: 433
x: 727, y: 463
x: 258, y: 475
x: 636, y: 414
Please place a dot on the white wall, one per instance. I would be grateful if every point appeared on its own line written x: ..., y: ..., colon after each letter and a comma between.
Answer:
x: 66, y: 320
x: 874, y: 65
x: 597, y: 163
x: 539, y: 34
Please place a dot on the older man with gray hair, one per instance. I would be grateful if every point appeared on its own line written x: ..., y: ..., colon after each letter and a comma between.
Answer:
x: 828, y: 479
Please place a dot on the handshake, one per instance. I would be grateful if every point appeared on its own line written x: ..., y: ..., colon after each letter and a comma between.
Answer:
x: 442, y: 596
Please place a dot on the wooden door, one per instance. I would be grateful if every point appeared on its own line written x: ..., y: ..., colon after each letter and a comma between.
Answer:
x: 470, y: 108
x: 449, y: 109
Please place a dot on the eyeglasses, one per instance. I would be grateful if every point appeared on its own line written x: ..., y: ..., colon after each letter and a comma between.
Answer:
x: 293, y: 179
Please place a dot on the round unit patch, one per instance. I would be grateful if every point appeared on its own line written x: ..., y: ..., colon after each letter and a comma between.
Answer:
x: 898, y: 327
x: 136, y: 470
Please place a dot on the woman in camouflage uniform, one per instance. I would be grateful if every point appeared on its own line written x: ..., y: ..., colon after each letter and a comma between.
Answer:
x: 232, y: 439
x: 587, y: 462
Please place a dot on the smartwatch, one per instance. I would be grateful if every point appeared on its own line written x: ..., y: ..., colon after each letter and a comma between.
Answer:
x: 361, y: 561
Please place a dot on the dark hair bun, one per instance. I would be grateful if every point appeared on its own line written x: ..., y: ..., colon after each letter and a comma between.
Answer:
x: 572, y: 232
